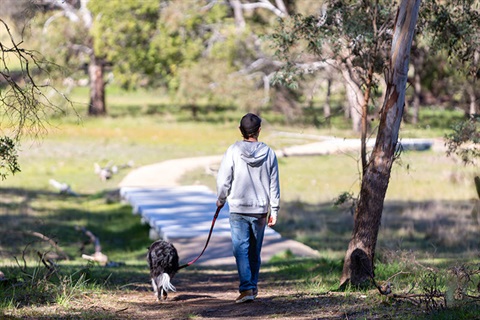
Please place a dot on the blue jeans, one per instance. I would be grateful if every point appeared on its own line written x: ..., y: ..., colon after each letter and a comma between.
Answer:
x: 247, y: 238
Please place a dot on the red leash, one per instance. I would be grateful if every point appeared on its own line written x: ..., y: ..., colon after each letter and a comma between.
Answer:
x: 206, y: 244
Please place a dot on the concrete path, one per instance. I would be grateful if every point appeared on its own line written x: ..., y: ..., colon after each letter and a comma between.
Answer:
x: 180, y: 212
x: 183, y: 214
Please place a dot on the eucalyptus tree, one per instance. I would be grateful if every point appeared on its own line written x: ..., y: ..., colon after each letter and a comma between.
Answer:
x: 157, y: 43
x: 123, y: 33
x: 342, y: 37
x: 359, y: 259
x: 443, y: 22
x: 212, y: 52
x: 66, y: 29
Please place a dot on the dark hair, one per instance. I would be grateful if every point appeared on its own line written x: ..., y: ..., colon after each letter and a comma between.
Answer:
x: 249, y: 125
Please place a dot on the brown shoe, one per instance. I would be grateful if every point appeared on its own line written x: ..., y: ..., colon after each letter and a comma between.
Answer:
x: 245, y: 296
x: 255, y: 292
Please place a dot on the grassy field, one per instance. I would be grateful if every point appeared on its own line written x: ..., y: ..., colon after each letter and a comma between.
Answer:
x: 427, y: 222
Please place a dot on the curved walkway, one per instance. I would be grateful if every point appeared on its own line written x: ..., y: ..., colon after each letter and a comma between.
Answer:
x: 183, y: 214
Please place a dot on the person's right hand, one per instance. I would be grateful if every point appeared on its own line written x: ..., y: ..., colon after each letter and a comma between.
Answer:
x: 219, y: 204
x: 272, y: 220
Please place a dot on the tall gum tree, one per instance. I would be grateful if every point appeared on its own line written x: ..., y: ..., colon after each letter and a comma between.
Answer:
x: 334, y: 37
x: 359, y: 259
x: 80, y: 16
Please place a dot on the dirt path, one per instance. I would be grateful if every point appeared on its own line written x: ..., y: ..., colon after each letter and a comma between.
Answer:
x: 211, y: 295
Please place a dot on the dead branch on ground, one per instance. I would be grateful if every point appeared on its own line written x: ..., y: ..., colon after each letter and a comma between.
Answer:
x: 98, y: 256
x: 52, y: 242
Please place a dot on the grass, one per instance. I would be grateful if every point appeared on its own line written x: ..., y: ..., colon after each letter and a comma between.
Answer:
x: 427, y: 221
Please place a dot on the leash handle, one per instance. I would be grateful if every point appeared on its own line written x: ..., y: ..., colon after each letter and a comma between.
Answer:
x: 206, y: 244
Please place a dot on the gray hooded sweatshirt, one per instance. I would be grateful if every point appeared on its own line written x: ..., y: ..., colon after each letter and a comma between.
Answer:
x: 248, y: 178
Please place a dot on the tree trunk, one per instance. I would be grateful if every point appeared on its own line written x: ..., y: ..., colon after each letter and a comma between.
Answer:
x: 359, y: 259
x: 472, y: 97
x: 472, y: 92
x: 96, y: 107
x: 238, y: 14
x: 326, y: 107
x: 355, y: 97
x: 416, y: 97
x: 366, y: 98
x: 417, y: 61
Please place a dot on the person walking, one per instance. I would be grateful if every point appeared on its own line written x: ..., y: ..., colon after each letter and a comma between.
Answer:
x: 248, y: 179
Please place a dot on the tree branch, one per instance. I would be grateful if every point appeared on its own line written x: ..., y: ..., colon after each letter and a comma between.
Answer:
x: 265, y: 4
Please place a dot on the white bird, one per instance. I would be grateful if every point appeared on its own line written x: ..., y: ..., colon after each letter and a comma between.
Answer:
x: 62, y: 187
x: 109, y: 170
x: 104, y: 173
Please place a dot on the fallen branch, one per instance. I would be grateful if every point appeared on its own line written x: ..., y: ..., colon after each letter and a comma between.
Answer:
x: 52, y: 242
x: 98, y: 256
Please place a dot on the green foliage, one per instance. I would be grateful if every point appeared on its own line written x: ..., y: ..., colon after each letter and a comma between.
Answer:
x: 235, y: 48
x: 349, y: 32
x: 122, y: 33
x: 343, y: 198
x: 61, y: 41
x: 211, y: 83
x: 453, y: 27
x: 8, y: 157
x: 152, y: 40
x: 184, y: 34
x: 464, y: 141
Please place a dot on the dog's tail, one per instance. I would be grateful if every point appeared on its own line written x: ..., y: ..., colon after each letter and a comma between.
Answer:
x: 163, y: 281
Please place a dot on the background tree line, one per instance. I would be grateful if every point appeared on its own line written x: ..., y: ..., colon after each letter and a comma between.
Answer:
x: 228, y: 52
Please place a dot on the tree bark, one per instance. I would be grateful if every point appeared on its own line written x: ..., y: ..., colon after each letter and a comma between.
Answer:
x: 96, y: 106
x: 359, y: 259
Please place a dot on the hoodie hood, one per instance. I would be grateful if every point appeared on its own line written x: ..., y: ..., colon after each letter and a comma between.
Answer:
x: 253, y: 153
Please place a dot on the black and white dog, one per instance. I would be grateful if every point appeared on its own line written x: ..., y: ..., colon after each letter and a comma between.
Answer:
x: 162, y: 259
